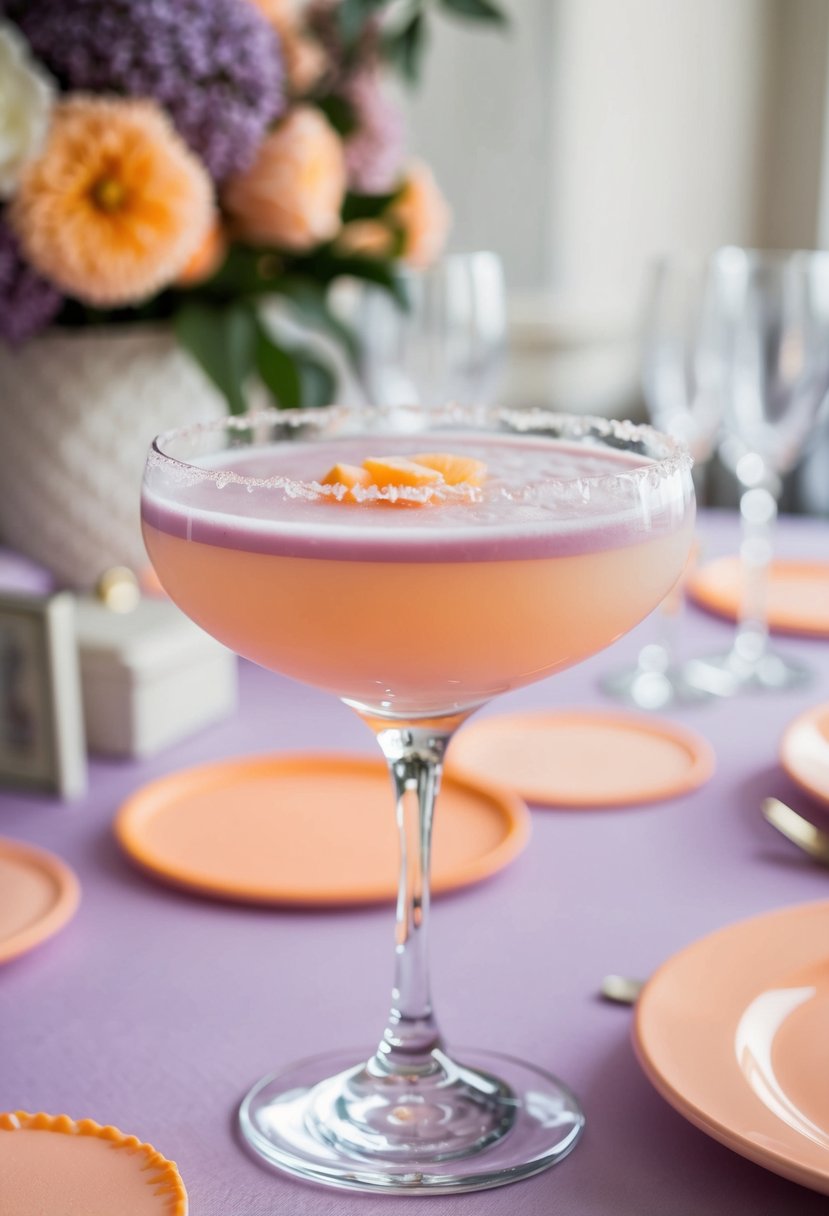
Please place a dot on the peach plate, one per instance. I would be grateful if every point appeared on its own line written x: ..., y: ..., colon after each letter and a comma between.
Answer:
x: 66, y: 1167
x: 804, y: 751
x: 40, y: 894
x: 583, y: 758
x: 314, y: 829
x: 798, y: 593
x: 732, y: 1032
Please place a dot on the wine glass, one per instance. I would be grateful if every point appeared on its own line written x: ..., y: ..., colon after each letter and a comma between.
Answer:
x: 681, y: 401
x: 766, y: 352
x: 448, y: 345
x: 415, y: 604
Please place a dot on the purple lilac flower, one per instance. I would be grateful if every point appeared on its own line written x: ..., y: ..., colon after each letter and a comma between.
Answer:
x: 214, y: 65
x: 27, y: 302
x: 374, y: 151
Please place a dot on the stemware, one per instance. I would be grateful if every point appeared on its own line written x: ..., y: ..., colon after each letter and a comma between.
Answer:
x: 449, y: 344
x: 766, y: 352
x: 415, y: 605
x: 681, y: 401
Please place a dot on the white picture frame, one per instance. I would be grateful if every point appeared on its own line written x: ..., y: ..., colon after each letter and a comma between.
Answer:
x: 42, y: 744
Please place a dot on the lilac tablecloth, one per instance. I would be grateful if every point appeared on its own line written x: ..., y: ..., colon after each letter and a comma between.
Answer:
x: 154, y: 1010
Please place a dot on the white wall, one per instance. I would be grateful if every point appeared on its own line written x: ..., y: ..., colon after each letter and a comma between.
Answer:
x: 600, y: 132
x: 481, y: 118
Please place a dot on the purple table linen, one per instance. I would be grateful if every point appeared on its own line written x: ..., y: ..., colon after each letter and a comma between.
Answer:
x: 155, y: 1010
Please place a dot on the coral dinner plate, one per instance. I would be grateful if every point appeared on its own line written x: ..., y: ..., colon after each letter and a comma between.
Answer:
x: 732, y: 1032
x: 314, y: 829
x: 583, y: 758
x: 38, y: 895
x: 804, y: 752
x: 798, y: 594
x: 51, y: 1165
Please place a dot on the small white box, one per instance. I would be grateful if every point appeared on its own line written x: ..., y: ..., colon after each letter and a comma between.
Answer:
x: 150, y: 677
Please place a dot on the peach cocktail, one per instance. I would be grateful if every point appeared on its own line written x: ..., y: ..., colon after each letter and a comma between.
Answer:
x: 415, y: 564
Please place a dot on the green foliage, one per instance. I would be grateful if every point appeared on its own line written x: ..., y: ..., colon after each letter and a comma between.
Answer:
x: 220, y: 325
x: 479, y: 10
x: 222, y: 340
x: 405, y: 48
x: 340, y: 113
x: 405, y: 25
x: 367, y: 206
x: 231, y: 344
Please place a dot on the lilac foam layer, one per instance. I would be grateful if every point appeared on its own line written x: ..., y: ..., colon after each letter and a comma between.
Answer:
x: 545, y: 519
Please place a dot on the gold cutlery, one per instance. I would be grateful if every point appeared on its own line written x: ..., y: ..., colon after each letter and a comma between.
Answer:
x: 621, y: 989
x: 624, y: 989
x: 800, y: 831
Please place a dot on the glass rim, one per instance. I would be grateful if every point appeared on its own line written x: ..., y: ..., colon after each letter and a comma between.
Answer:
x: 668, y: 455
x: 739, y: 257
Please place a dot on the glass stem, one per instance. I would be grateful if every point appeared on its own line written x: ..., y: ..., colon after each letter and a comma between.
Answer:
x: 758, y: 510
x: 415, y: 759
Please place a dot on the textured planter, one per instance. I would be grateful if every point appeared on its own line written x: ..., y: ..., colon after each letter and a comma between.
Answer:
x: 78, y: 410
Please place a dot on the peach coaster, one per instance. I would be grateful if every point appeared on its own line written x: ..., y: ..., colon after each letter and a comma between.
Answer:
x: 804, y: 752
x: 38, y: 895
x: 798, y: 593
x: 732, y: 1032
x: 584, y: 758
x: 308, y: 829
x: 51, y: 1165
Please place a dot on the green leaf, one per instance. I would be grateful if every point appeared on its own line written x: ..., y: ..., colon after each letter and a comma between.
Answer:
x: 325, y: 265
x: 311, y: 302
x: 245, y: 271
x: 479, y: 10
x: 366, y: 206
x: 319, y: 384
x: 373, y: 270
x: 340, y: 113
x: 278, y: 370
x: 352, y: 17
x: 405, y: 48
x: 222, y: 341
x: 294, y: 375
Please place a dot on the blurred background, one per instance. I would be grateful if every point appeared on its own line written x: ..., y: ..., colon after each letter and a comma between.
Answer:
x: 593, y: 136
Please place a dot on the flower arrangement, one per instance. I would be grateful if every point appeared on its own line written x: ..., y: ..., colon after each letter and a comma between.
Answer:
x: 187, y: 159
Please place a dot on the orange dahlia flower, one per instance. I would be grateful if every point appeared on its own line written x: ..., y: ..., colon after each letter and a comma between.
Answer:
x: 292, y: 194
x: 206, y: 258
x: 115, y: 205
x: 423, y: 214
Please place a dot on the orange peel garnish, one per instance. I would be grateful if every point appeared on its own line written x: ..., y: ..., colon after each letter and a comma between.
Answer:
x: 399, y: 471
x: 455, y: 470
x: 423, y: 471
x: 349, y: 475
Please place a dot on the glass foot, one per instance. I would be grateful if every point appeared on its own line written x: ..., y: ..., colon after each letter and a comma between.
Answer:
x: 485, y: 1123
x: 653, y: 689
x: 725, y: 675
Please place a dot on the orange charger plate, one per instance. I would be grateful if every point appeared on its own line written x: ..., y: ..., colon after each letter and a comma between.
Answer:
x: 51, y: 1165
x: 732, y: 1032
x: 583, y: 758
x: 313, y: 829
x: 804, y: 752
x: 40, y: 894
x: 798, y: 593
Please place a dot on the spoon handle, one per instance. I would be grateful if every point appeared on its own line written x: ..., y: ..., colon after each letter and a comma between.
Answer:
x: 621, y: 989
x: 797, y: 829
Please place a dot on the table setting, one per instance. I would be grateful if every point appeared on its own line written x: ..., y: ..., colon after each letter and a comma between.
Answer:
x: 153, y: 1000
x: 338, y: 688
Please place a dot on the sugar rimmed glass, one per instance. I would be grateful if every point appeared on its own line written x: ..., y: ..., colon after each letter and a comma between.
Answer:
x: 415, y: 607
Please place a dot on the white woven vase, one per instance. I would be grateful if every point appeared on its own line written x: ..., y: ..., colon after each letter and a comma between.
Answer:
x: 78, y: 409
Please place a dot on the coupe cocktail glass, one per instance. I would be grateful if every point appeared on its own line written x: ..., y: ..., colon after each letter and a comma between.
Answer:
x: 416, y: 606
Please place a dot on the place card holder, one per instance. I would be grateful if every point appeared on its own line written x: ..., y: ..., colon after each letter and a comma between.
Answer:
x: 150, y: 677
